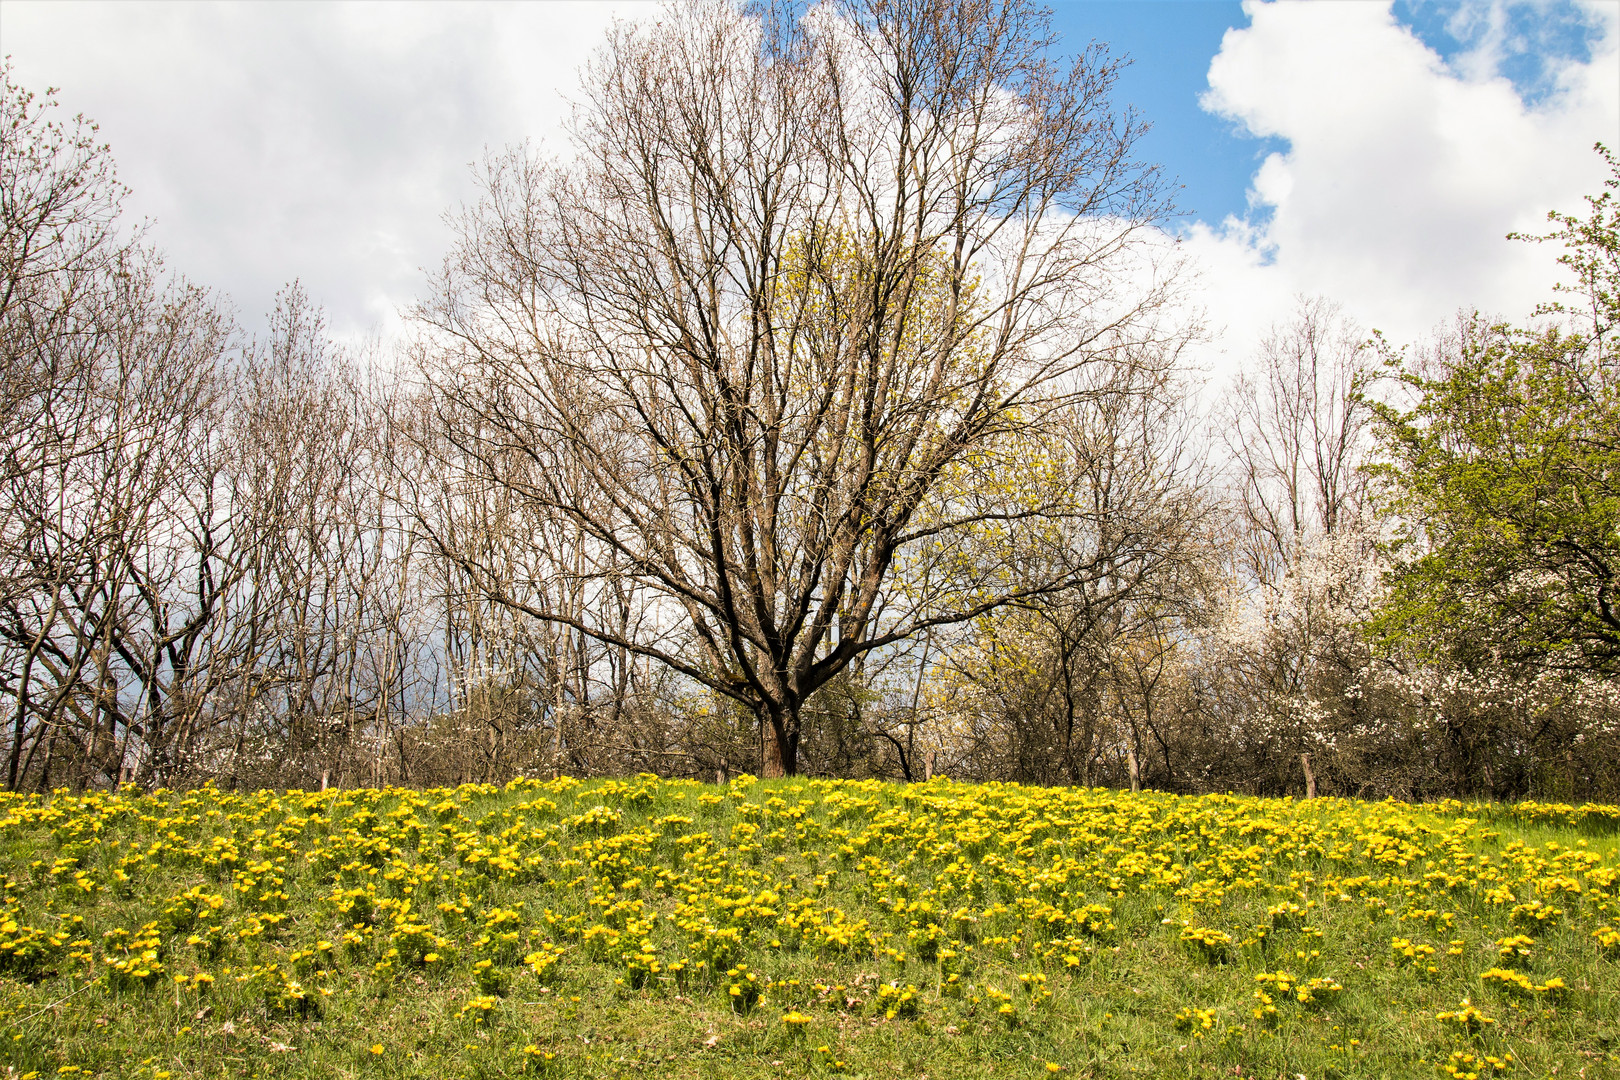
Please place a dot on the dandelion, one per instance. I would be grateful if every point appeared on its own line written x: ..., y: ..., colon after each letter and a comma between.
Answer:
x: 1466, y: 1017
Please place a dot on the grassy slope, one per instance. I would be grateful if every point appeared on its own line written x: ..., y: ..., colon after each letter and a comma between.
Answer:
x: 856, y: 874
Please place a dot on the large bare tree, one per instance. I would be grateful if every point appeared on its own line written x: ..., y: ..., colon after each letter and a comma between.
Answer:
x: 765, y: 333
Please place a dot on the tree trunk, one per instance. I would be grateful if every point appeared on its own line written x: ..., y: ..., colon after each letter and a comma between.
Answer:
x: 772, y: 763
x: 1136, y: 770
x: 779, y: 747
x: 1310, y: 777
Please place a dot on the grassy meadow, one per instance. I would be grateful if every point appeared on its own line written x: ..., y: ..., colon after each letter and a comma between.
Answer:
x: 803, y: 927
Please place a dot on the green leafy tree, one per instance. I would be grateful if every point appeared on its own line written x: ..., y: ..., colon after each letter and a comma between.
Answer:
x: 1505, y: 471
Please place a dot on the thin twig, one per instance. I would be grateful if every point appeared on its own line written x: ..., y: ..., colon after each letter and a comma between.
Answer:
x: 639, y: 750
x: 57, y: 1002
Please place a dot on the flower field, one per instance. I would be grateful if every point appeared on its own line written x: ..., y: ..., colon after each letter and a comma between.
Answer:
x: 804, y: 927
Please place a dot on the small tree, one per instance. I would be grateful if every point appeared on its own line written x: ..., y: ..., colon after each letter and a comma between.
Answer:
x: 1506, y: 472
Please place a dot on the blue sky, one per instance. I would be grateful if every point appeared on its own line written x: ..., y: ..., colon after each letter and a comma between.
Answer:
x: 1372, y: 151
x: 1170, y: 44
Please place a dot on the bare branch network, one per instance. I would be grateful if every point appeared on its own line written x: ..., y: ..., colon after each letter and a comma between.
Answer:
x: 822, y: 408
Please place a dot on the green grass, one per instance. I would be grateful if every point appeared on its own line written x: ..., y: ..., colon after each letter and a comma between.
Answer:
x: 405, y: 934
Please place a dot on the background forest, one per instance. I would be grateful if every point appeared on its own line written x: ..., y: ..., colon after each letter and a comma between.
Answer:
x: 826, y: 412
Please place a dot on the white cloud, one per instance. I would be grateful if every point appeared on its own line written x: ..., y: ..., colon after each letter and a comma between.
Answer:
x: 316, y: 141
x: 326, y: 142
x: 1403, y: 174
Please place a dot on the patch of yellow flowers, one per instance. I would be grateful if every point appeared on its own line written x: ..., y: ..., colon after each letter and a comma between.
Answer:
x: 676, y: 887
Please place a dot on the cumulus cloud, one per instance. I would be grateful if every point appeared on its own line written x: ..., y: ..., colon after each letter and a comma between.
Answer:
x: 1403, y: 173
x: 327, y: 141
x: 316, y: 141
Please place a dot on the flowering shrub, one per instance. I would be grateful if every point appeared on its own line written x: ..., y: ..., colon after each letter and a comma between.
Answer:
x: 1213, y: 946
x: 1535, y: 916
x: 1514, y: 950
x: 896, y: 1000
x: 1194, y: 1020
x: 745, y: 988
x: 1466, y: 1017
x: 1518, y: 984
x: 1465, y: 1065
x: 478, y: 1010
x: 30, y: 953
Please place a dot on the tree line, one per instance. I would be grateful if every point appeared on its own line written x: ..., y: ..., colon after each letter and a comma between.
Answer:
x: 824, y: 410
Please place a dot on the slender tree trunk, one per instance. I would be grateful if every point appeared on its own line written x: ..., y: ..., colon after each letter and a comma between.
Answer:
x: 50, y: 756
x: 20, y: 724
x: 916, y: 699
x: 1310, y: 777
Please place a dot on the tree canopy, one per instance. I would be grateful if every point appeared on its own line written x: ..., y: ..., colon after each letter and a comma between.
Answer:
x: 1505, y: 468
